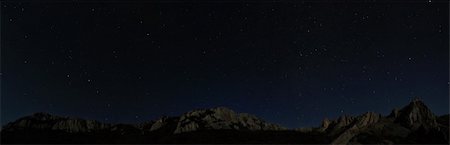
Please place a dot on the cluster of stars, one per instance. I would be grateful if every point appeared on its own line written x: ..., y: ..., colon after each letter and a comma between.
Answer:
x: 231, y: 54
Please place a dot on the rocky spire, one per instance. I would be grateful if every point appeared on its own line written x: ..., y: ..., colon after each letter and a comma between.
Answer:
x: 325, y: 123
x: 368, y: 119
x: 416, y: 114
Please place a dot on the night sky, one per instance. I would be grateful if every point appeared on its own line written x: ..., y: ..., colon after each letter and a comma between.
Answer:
x: 291, y: 63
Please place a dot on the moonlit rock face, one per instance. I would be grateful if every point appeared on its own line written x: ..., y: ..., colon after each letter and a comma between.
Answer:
x: 400, y: 123
x: 221, y: 118
x: 416, y: 114
x: 49, y: 122
x: 368, y: 118
x: 347, y: 128
x: 344, y: 121
x: 163, y: 121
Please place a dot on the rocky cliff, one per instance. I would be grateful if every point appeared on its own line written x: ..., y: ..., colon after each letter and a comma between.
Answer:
x: 46, y: 121
x: 400, y: 126
x: 221, y: 118
x: 414, y: 115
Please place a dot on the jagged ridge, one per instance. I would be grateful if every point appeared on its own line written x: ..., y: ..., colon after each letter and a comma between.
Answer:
x: 219, y: 118
x: 415, y: 123
x: 404, y: 124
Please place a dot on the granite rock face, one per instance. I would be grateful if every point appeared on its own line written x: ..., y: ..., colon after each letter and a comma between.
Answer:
x: 51, y: 122
x: 409, y: 122
x: 221, y: 118
x: 416, y: 114
x: 160, y: 123
x: 347, y: 128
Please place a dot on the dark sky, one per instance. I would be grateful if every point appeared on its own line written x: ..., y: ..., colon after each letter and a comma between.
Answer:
x: 292, y: 63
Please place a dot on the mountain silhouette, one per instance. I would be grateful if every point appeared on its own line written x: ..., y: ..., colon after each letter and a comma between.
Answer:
x: 413, y: 124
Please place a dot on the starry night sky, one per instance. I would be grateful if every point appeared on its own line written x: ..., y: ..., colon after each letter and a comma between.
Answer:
x: 291, y: 63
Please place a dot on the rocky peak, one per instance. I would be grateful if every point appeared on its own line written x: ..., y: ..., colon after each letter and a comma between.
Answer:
x: 38, y: 120
x: 394, y: 113
x: 416, y: 114
x: 43, y: 116
x: 163, y: 123
x: 218, y: 113
x: 368, y: 119
x: 221, y: 118
x: 348, y: 127
x: 325, y: 123
x: 47, y: 121
x: 344, y: 120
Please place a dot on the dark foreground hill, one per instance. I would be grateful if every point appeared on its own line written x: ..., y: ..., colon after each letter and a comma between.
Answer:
x: 413, y: 124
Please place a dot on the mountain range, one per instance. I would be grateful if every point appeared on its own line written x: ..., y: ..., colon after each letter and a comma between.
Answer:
x: 413, y: 124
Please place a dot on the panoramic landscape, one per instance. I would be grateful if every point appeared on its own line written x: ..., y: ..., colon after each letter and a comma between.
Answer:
x: 412, y: 124
x: 224, y: 72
